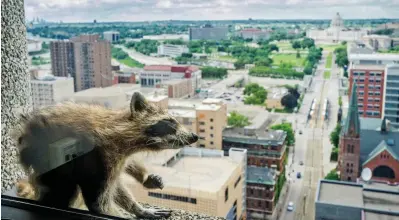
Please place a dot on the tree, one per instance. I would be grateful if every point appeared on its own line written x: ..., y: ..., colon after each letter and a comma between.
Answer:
x: 255, y: 94
x: 287, y: 128
x: 289, y: 101
x: 307, y: 43
x: 237, y: 120
x: 340, y: 101
x: 332, y: 175
x: 213, y: 72
x: 273, y: 47
x: 334, y: 136
x: 264, y: 62
x: 294, y: 92
x: 296, y: 44
x: 298, y: 55
x: 187, y: 55
x: 308, y: 69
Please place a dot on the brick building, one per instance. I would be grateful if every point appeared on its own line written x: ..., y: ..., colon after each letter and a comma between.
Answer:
x: 267, y: 151
x: 368, y: 142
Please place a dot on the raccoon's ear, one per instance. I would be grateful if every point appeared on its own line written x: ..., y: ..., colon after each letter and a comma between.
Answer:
x: 137, y: 103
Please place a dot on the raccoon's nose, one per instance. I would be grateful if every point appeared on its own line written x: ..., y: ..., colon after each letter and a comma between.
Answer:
x: 194, y: 137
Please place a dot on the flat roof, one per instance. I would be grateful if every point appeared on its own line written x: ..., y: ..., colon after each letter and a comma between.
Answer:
x: 117, y: 89
x: 207, y: 173
x: 374, y: 56
x: 211, y: 101
x: 376, y: 198
x: 212, y: 107
x: 50, y: 79
x: 368, y: 67
x: 184, y: 113
x: 368, y: 215
x: 156, y: 98
x: 261, y: 175
x: 341, y: 194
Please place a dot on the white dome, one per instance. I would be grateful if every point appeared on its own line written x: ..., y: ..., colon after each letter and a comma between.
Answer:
x: 337, y: 21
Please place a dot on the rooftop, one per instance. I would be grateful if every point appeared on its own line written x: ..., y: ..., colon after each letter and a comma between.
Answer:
x: 196, y: 169
x: 174, y: 68
x: 211, y: 107
x: 184, y: 113
x: 156, y: 97
x: 376, y: 198
x: 50, y: 79
x: 117, y: 89
x: 261, y: 175
x: 368, y: 67
x: 374, y: 56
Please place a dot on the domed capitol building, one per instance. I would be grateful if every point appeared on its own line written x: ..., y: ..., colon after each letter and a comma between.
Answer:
x: 336, y: 32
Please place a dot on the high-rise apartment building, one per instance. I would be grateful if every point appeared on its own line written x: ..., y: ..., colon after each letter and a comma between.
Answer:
x: 368, y: 71
x: 86, y: 58
x: 49, y: 90
x: 391, y: 94
x: 199, y: 180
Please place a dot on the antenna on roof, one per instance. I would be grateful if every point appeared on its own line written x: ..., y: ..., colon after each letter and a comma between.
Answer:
x: 366, y: 174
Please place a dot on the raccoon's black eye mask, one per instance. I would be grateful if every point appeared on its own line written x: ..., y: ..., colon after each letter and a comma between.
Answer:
x: 162, y: 128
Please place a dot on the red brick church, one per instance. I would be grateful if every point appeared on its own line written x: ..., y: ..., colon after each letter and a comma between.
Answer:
x: 367, y: 142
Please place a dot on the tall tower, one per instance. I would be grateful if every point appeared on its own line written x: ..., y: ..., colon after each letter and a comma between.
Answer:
x: 349, y: 142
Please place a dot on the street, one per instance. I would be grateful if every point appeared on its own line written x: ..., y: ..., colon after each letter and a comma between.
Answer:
x: 144, y: 59
x: 313, y: 146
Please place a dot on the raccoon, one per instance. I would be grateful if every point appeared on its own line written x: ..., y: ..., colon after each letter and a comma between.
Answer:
x: 97, y: 176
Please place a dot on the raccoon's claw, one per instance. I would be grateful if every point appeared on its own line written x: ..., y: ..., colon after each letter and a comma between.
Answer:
x: 153, y: 181
x: 155, y: 213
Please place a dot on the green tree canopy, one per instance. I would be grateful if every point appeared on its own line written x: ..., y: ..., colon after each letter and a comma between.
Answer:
x: 332, y: 175
x: 237, y: 120
x: 213, y: 72
x: 255, y: 94
x: 287, y: 128
x: 289, y: 101
x: 334, y: 136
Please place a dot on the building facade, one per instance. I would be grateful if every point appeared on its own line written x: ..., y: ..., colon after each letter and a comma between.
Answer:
x: 155, y: 75
x: 368, y: 71
x: 92, y: 62
x: 171, y: 50
x: 111, y: 36
x: 49, y: 90
x: 178, y: 88
x: 336, y: 200
x: 86, y: 58
x: 34, y: 46
x: 368, y: 143
x: 200, y: 180
x: 255, y: 34
x: 378, y: 42
x: 208, y: 33
x: 267, y: 151
x: 336, y: 32
x: 391, y: 95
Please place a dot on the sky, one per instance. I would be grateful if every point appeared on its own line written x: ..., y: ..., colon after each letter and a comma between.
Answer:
x: 150, y: 10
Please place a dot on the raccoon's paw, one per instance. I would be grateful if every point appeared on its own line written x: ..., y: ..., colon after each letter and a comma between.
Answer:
x: 153, y: 181
x: 154, y: 213
x: 25, y: 189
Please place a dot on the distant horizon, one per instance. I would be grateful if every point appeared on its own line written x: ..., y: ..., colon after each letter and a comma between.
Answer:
x: 71, y: 11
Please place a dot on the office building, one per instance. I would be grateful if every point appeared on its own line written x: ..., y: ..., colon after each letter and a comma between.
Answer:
x: 336, y: 200
x: 255, y: 34
x: 34, y: 46
x: 367, y: 143
x: 208, y: 33
x: 391, y: 95
x: 86, y: 58
x: 178, y: 88
x: 199, y: 180
x: 111, y: 36
x: 378, y: 42
x: 155, y: 75
x: 49, y: 90
x: 171, y: 50
x: 337, y: 32
x: 368, y: 71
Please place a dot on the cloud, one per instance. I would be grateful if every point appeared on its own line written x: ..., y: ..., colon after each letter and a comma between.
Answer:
x: 139, y: 10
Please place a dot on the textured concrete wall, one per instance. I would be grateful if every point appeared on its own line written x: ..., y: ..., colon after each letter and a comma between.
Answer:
x: 15, y: 87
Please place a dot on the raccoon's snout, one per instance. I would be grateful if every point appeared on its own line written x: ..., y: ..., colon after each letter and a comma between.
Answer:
x: 193, y: 138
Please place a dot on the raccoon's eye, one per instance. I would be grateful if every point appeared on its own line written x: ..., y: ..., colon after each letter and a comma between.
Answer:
x: 162, y: 128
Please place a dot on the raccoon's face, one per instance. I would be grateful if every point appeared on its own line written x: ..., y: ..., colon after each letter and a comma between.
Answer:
x: 159, y: 129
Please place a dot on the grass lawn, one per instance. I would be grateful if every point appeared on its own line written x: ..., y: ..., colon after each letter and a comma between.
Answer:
x: 287, y: 46
x: 226, y: 58
x: 131, y: 63
x: 329, y: 60
x: 289, y: 58
x: 327, y: 74
x: 329, y: 47
x: 389, y: 51
x: 40, y: 61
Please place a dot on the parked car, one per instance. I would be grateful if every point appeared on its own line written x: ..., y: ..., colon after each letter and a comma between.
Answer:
x: 290, y: 206
x: 301, y: 163
x: 300, y: 131
x: 298, y: 175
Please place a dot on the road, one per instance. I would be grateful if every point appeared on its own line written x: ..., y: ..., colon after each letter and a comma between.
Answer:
x: 312, y: 147
x: 147, y: 60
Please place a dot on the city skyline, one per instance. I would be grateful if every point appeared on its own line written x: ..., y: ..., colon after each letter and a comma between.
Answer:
x: 152, y: 10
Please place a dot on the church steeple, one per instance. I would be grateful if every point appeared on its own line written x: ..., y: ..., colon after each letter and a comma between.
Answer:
x: 352, y: 122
